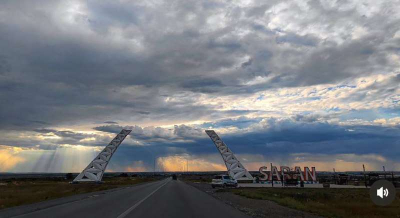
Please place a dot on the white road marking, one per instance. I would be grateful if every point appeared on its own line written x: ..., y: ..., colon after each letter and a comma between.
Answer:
x: 141, y: 201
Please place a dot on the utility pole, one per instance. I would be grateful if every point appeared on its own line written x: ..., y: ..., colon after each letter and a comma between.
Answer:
x: 334, y: 175
x: 272, y: 176
x: 154, y: 167
x: 365, y: 177
x: 384, y: 172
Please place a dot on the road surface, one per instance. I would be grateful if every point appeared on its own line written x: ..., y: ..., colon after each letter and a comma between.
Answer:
x: 166, y: 198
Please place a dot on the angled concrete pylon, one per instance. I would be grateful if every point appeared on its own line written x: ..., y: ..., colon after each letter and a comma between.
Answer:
x: 235, y: 169
x: 95, y: 170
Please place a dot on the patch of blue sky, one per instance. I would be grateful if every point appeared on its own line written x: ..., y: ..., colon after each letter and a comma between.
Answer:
x: 306, y: 112
x: 368, y: 115
x: 389, y: 112
x: 347, y: 86
x: 313, y: 98
x: 333, y: 109
x: 313, y: 92
x: 261, y: 97
x: 396, y: 99
x: 263, y: 29
x: 240, y: 123
x: 341, y: 87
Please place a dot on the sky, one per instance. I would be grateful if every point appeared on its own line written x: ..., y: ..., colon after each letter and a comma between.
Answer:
x: 295, y: 83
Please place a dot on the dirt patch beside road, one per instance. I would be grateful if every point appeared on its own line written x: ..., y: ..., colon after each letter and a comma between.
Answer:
x: 253, y: 207
x: 27, y: 191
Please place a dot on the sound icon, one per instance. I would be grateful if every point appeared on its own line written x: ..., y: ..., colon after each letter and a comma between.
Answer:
x: 382, y: 192
x: 379, y: 192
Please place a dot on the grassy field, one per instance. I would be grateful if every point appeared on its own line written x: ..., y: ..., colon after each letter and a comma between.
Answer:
x: 325, y: 202
x: 27, y: 191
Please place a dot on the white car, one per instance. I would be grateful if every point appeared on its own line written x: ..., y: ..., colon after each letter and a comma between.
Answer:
x: 224, y: 181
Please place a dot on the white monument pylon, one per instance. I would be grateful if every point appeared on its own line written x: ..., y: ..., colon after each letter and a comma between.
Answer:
x: 95, y: 170
x: 235, y: 169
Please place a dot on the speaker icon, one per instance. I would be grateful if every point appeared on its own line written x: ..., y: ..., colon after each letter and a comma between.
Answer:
x: 379, y: 192
x: 382, y: 192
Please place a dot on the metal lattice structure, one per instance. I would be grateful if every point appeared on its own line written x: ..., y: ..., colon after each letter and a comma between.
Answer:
x: 95, y: 170
x: 235, y: 169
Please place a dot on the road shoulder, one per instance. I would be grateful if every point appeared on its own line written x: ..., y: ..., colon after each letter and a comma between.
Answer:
x: 29, y: 208
x: 253, y: 207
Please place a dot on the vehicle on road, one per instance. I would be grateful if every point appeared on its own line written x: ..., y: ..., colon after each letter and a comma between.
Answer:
x: 174, y: 177
x: 224, y: 181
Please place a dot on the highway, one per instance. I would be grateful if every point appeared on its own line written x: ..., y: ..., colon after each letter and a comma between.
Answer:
x: 166, y: 198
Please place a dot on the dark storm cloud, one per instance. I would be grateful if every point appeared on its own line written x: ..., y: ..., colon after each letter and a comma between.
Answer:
x: 283, y: 136
x: 50, y: 139
x: 114, y: 64
x: 296, y: 39
x: 337, y: 63
x: 65, y: 63
x: 185, y: 131
x: 300, y: 134
x: 111, y: 128
x: 203, y: 85
x: 64, y: 134
x: 111, y: 122
x: 156, y: 134
x: 268, y: 136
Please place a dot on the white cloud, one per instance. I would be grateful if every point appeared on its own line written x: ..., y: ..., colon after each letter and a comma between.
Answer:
x: 69, y: 66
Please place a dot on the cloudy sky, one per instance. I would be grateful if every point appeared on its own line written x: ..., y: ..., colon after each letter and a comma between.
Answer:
x: 297, y: 83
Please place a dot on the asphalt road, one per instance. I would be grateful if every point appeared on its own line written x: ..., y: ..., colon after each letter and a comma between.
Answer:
x: 166, y: 198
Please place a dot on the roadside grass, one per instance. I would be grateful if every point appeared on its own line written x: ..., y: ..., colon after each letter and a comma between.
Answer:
x: 28, y: 191
x: 324, y: 202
